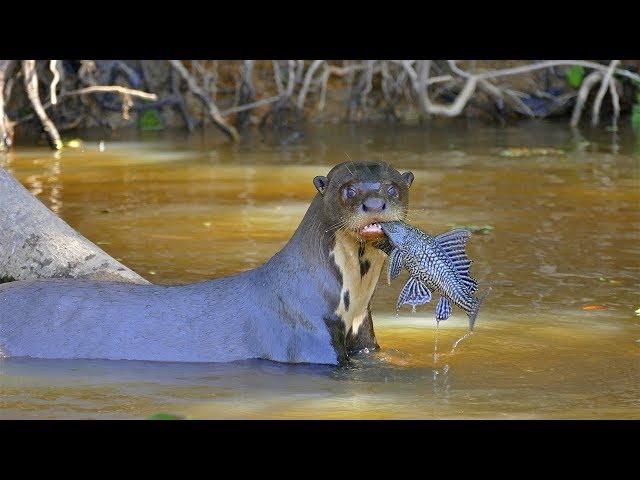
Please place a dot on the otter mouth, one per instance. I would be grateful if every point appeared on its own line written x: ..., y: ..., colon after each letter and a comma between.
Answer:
x: 373, y: 230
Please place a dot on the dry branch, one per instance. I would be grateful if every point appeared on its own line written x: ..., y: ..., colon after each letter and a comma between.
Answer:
x: 112, y: 89
x: 246, y: 92
x: 541, y: 65
x: 307, y: 82
x: 214, y: 113
x: 250, y: 106
x: 53, y: 66
x: 180, y: 104
x: 420, y: 83
x: 125, y: 92
x: 31, y: 87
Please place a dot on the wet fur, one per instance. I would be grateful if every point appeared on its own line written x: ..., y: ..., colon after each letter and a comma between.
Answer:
x: 291, y: 309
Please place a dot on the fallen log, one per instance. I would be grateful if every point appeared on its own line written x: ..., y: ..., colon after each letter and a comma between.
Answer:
x: 35, y: 243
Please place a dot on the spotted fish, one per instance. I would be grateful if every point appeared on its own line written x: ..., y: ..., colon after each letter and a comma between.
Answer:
x: 434, y: 263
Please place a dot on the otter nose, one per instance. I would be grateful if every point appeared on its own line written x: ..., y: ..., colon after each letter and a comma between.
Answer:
x: 374, y: 205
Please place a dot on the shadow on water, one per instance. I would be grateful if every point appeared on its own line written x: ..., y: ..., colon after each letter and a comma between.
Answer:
x: 557, y: 337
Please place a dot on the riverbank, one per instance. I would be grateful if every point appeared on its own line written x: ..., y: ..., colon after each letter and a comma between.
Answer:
x: 239, y: 96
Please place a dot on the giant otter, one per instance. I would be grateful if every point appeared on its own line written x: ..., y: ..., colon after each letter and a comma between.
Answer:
x: 309, y: 303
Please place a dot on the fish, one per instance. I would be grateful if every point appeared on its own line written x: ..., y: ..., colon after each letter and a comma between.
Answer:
x: 438, y: 264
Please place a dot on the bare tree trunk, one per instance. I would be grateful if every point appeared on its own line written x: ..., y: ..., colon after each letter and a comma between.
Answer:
x: 35, y: 243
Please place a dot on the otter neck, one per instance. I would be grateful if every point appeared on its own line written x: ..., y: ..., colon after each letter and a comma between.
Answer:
x: 359, y: 265
x: 355, y: 266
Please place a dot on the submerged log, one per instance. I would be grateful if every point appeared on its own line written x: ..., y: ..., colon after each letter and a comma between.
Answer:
x: 35, y: 243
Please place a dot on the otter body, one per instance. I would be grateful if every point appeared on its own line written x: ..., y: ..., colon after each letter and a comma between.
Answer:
x: 309, y: 303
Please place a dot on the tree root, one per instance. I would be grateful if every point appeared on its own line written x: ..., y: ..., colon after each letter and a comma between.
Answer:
x: 398, y: 88
x: 31, y: 87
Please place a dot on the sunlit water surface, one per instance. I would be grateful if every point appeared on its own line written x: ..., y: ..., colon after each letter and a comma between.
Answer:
x: 181, y: 209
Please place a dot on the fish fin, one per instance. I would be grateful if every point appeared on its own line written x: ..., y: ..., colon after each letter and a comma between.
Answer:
x: 474, y: 312
x: 443, y: 310
x: 469, y: 283
x: 413, y: 293
x: 453, y: 243
x: 395, y: 265
x: 454, y: 238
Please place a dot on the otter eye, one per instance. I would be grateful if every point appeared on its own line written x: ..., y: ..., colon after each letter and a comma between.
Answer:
x: 350, y: 192
x: 392, y: 191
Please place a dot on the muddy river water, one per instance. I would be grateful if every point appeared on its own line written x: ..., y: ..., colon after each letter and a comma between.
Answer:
x: 557, y: 338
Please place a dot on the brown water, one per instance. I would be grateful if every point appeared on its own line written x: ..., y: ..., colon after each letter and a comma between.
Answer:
x: 181, y: 209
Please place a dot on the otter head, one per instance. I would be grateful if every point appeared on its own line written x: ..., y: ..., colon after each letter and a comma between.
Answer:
x: 357, y: 196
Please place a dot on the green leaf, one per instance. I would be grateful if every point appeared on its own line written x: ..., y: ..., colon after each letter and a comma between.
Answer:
x: 575, y: 74
x: 165, y: 416
x: 150, y: 120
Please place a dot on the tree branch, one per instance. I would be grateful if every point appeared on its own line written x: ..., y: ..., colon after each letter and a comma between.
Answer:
x: 31, y: 87
x: 214, y: 113
x: 307, y: 82
x: 54, y: 82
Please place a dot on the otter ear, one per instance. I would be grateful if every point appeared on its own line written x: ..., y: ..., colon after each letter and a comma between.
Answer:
x: 408, y: 178
x: 321, y: 183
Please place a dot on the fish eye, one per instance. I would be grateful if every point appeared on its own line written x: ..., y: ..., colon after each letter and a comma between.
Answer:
x: 350, y: 192
x: 392, y: 191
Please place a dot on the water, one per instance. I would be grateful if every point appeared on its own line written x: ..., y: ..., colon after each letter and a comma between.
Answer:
x: 180, y: 209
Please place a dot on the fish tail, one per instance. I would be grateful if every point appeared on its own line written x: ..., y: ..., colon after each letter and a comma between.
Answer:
x: 474, y: 312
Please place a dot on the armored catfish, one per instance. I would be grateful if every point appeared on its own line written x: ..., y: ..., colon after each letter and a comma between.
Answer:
x: 434, y: 263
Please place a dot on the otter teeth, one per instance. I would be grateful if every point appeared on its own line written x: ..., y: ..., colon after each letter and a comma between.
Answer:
x: 371, y: 228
